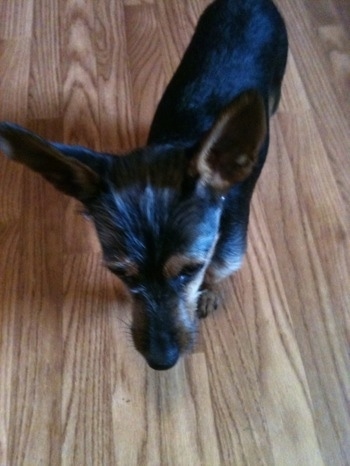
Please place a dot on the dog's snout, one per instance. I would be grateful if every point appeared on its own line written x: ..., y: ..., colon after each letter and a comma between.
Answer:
x: 163, y: 353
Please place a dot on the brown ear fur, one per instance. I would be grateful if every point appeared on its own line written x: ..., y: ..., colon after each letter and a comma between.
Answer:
x: 230, y: 150
x: 66, y: 174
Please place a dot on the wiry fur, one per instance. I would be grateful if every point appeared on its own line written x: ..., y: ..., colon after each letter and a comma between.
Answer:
x: 172, y: 217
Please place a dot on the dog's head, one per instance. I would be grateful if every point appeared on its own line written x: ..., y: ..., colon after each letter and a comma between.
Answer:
x: 157, y: 214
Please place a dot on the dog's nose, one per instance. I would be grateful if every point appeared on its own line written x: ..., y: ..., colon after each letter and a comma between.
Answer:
x: 161, y: 359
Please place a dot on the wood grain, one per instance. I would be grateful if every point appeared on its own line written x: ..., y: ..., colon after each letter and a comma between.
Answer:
x: 44, y: 94
x: 268, y: 382
x: 115, y: 95
x: 146, y: 71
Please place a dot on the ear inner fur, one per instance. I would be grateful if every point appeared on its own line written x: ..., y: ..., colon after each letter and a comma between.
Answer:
x: 230, y: 150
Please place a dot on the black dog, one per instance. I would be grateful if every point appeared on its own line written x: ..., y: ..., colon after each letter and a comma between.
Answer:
x: 172, y: 217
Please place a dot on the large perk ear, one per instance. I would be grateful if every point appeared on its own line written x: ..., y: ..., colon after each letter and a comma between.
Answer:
x: 66, y: 174
x: 230, y: 150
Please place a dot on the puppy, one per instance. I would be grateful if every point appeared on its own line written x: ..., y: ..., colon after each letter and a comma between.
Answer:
x: 172, y: 217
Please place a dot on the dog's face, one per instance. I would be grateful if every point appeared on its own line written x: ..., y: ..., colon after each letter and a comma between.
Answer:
x: 158, y: 230
x: 157, y: 214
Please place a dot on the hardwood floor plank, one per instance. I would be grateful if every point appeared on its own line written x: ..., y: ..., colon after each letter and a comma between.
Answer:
x: 45, y: 69
x: 130, y: 387
x: 183, y: 444
x: 317, y: 311
x: 80, y: 96
x: 285, y: 387
x: 146, y: 71
x: 334, y: 41
x: 343, y: 12
x: 34, y: 435
x: 314, y: 71
x: 176, y: 25
x: 86, y: 414
x: 9, y: 280
x: 114, y: 84
x: 294, y: 96
x: 239, y: 416
x: 10, y: 193
x: 17, y: 19
x: 325, y: 209
x: 15, y: 64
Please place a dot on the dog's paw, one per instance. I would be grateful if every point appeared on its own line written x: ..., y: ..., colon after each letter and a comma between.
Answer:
x: 208, y: 303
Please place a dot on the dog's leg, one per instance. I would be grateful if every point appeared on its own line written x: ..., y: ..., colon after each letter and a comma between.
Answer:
x: 227, y: 259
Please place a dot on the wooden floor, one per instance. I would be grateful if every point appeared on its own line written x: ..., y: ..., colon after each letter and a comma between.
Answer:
x: 269, y: 382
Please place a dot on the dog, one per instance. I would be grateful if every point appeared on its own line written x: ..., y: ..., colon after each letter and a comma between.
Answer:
x: 172, y: 217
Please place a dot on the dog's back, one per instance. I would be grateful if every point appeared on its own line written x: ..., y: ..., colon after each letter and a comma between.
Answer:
x: 237, y: 45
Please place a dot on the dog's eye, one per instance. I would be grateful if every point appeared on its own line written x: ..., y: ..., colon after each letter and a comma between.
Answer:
x: 188, y: 272
x: 130, y: 281
x: 120, y: 272
x: 123, y: 269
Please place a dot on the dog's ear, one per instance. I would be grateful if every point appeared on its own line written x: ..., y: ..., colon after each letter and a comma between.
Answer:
x: 66, y: 173
x: 230, y: 150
